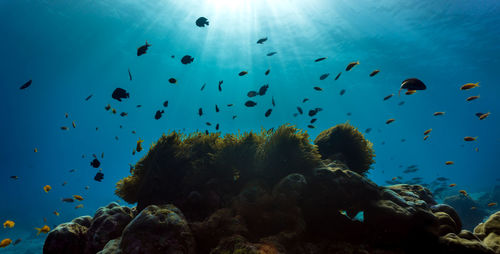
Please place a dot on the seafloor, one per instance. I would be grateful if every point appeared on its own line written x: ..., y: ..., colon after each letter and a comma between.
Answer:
x: 273, y: 191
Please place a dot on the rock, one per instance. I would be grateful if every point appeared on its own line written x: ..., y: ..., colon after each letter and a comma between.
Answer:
x: 492, y: 224
x: 414, y: 195
x: 112, y: 247
x: 462, y: 204
x: 446, y: 223
x: 451, y: 243
x: 83, y: 220
x: 493, y: 242
x: 451, y: 212
x: 479, y: 231
x: 66, y: 238
x: 466, y: 234
x: 238, y: 244
x: 291, y: 187
x: 158, y: 229
x: 107, y: 224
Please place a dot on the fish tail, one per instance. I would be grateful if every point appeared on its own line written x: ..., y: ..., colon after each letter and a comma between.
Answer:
x: 39, y: 230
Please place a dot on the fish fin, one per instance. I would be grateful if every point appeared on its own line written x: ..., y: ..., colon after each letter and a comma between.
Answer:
x: 39, y: 230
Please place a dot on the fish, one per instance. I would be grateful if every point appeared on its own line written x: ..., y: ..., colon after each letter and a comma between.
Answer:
x: 206, y: 132
x: 113, y: 111
x: 473, y: 208
x: 468, y: 138
x: 8, y: 224
x: 64, y: 184
x: 412, y: 84
x: 271, y: 53
x: 313, y: 120
x: 410, y: 92
x: 68, y: 200
x: 252, y: 94
x: 262, y: 40
x: 5, y: 242
x: 99, y: 176
x: 47, y: 188
x: 45, y: 229
x: 66, y: 115
x: 324, y: 76
x: 26, y: 85
x: 107, y: 107
x: 463, y: 192
x: 203, y: 86
x: 142, y: 49
x: 317, y: 88
x: 295, y: 114
x: 95, y: 163
x: 119, y: 94
x: 442, y: 179
x: 208, y: 124
x: 234, y: 116
x: 220, y: 85
x: 187, y: 59
x: 351, y: 65
x: 304, y: 100
x: 201, y: 22
x: 138, y: 106
x: 272, y: 101
x: 14, y: 177
x: 390, y: 121
x: 88, y: 97
x: 342, y: 92
x: 320, y: 59
x: 217, y: 126
x: 172, y: 81
x: 401, y: 103
x: 79, y: 206
x: 133, y: 132
x: 388, y: 97
x: 438, y: 113
x: 449, y: 163
x: 56, y: 213
x: 310, y: 126
x: 242, y: 73
x: 18, y: 241
x: 250, y: 103
x: 230, y: 105
x: 469, y: 86
x: 129, y: 74
x: 492, y: 204
x: 427, y: 131
x: 268, y: 112
x: 267, y: 72
x: 165, y: 104
x: 483, y: 116
x: 338, y: 76
x: 313, y: 112
x: 373, y: 73
x: 73, y: 124
x: 300, y: 110
x: 348, y: 113
x: 138, y: 147
x: 78, y: 197
x: 158, y: 114
x: 216, y: 108
x: 35, y: 150
x: 452, y: 185
x: 471, y: 98
x: 200, y: 111
x: 64, y: 128
x: 263, y: 89
x: 368, y: 130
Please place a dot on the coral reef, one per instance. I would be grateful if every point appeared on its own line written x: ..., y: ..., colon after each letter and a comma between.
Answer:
x: 469, y: 210
x: 268, y: 192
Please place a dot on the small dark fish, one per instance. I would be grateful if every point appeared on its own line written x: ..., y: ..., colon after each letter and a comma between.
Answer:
x: 72, y: 170
x: 272, y: 101
x: 295, y: 114
x: 187, y: 59
x: 172, y: 80
x: 320, y: 59
x: 17, y: 241
x: 217, y: 127
x: 68, y: 200
x: 313, y: 112
x: 95, y: 163
x: 26, y: 85
x: 401, y: 103
x: 138, y: 106
x: 99, y: 176
x: 267, y: 72
x: 442, y: 179
x: 300, y: 110
x: 220, y: 85
x: 311, y: 126
x: 201, y: 22
x: 374, y: 73
x: 252, y: 94
x: 271, y: 53
x: 304, y: 100
x: 200, y: 111
x: 479, y: 114
x: 324, y: 76
x: 119, y: 94
x: 348, y: 113
x: 262, y: 40
x: 229, y: 105
x: 317, y: 88
x: 165, y: 104
x: 142, y: 49
x: 471, y: 98
x: 313, y: 120
x: 342, y: 92
x: 250, y: 103
x: 216, y: 108
x: 412, y: 84
x: 102, y: 155
x: 403, y: 140
x: 268, y: 112
x: 234, y: 116
x: 206, y: 132
x: 242, y: 73
x: 88, y: 97
x: 172, y: 56
x: 203, y: 86
x: 129, y: 74
x: 351, y: 65
x: 263, y: 89
x: 338, y: 76
x: 123, y: 114
x: 14, y: 177
x: 158, y: 114
x: 388, y: 97
x: 208, y: 124
x: 368, y: 130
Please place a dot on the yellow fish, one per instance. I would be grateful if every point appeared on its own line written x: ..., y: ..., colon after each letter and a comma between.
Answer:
x: 469, y: 86
x: 8, y: 224
x: 79, y: 206
x: 47, y: 188
x: 78, y: 197
x: 5, y: 242
x: 45, y: 229
x: 36, y: 150
x: 439, y: 113
x: 427, y: 131
x: 449, y: 163
x: 56, y: 213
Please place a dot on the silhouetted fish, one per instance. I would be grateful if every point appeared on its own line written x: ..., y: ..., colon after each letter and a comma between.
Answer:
x: 252, y: 94
x: 88, y: 97
x: 351, y: 65
x: 129, y: 75
x: 220, y: 85
x: 263, y: 89
x: 250, y: 103
x: 200, y: 111
x: 368, y: 130
x: 242, y: 73
x: 271, y: 53
x: 338, y: 76
x: 313, y: 120
x: 268, y: 112
x: 203, y: 86
x: 158, y: 114
x: 342, y: 92
x: 324, y: 76
x: 320, y: 59
x: 272, y: 101
x: 262, y: 40
x: 99, y: 176
x: 119, y: 94
x: 412, y: 84
x: 165, y: 104
x: 95, y: 163
x: 267, y: 72
x: 187, y: 59
x: 26, y: 85
x: 374, y: 73
x: 201, y: 22
x: 142, y: 49
x: 300, y: 110
x: 304, y: 100
x: 388, y: 97
x: 217, y: 127
x: 216, y: 108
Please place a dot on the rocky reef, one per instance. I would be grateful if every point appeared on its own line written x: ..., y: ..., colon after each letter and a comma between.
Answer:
x: 269, y: 192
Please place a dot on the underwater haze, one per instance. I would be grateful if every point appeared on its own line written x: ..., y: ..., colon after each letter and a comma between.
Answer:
x: 73, y: 49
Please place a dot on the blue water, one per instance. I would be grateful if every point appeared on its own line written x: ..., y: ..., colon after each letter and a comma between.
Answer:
x: 71, y: 49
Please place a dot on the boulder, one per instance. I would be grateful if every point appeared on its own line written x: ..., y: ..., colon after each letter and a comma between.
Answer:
x: 493, y: 242
x: 112, y: 247
x: 451, y: 243
x: 451, y: 212
x: 66, y: 238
